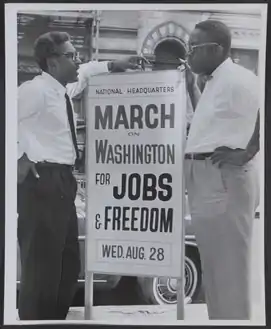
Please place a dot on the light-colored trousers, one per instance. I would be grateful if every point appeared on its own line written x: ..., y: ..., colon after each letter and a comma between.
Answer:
x: 222, y: 204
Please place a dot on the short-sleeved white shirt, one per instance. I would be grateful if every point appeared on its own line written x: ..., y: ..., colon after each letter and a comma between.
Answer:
x: 227, y: 110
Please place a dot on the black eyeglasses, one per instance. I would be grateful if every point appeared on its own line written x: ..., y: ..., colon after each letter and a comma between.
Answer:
x: 191, y: 49
x: 166, y: 62
x: 73, y: 56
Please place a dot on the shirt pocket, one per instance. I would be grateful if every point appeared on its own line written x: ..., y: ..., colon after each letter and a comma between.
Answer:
x: 223, y: 101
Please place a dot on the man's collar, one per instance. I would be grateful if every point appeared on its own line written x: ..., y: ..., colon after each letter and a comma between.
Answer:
x: 221, y: 67
x: 54, y: 83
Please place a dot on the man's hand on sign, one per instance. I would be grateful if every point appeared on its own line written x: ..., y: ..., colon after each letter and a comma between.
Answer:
x: 190, y: 76
x: 225, y: 155
x: 191, y: 83
x: 130, y: 63
x: 24, y: 166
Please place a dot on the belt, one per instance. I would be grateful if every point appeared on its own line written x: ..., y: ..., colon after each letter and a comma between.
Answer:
x: 198, y: 156
x: 54, y: 165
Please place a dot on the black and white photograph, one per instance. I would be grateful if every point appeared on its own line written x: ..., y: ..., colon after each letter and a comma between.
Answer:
x: 136, y: 132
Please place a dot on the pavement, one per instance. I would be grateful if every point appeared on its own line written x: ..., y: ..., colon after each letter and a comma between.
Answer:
x: 194, y: 314
x: 145, y: 313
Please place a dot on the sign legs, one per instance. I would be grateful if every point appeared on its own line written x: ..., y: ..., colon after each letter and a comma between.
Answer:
x: 88, y: 295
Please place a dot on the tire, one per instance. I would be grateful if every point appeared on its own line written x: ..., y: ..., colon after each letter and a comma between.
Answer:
x: 163, y: 290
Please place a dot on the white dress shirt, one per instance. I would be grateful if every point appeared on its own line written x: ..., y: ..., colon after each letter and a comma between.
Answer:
x: 227, y: 110
x: 43, y: 128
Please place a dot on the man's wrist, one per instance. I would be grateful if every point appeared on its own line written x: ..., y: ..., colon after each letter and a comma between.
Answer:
x: 115, y: 67
x: 250, y: 153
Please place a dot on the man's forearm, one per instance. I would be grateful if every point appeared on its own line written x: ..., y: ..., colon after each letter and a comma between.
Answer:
x: 253, y: 146
x: 86, y: 71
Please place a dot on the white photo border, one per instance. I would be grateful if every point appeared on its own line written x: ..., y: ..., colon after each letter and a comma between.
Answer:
x: 11, y: 10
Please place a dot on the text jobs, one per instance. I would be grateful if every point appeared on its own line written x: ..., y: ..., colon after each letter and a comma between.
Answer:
x: 141, y: 252
x: 148, y: 187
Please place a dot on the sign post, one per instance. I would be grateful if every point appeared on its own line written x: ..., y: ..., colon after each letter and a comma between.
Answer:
x: 181, y: 279
x: 135, y: 145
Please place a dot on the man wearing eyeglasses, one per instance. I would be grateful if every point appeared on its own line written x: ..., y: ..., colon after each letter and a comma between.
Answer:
x: 47, y: 152
x: 221, y: 169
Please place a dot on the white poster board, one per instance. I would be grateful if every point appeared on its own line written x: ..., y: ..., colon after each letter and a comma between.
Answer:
x: 135, y: 143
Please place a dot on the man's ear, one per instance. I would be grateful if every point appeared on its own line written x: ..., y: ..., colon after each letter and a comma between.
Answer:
x: 51, y: 63
x: 220, y: 50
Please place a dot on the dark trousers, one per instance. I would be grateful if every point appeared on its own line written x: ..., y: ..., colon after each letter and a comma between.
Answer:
x: 48, y: 240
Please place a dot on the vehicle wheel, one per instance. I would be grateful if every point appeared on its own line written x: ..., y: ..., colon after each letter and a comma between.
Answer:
x: 162, y: 290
